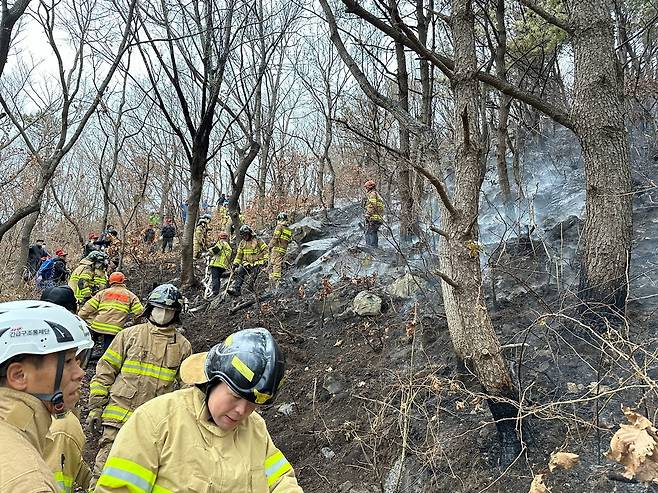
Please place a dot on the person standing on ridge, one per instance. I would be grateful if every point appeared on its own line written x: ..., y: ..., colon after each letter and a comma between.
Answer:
x: 249, y: 259
x: 221, y: 257
x: 374, y: 213
x: 278, y: 246
x: 167, y: 233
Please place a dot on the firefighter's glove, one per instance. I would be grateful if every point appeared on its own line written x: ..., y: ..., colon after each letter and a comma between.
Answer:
x: 94, y: 422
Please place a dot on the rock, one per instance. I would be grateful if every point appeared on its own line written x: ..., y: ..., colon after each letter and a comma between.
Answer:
x: 346, y: 487
x: 332, y: 385
x: 367, y: 304
x: 286, y: 408
x: 328, y: 453
x: 408, y: 286
x: 308, y: 229
x: 313, y: 250
x: 407, y: 476
x: 331, y: 305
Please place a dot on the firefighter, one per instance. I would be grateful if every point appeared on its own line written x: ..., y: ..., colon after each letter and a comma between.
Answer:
x: 109, y: 310
x: 64, y: 456
x: 141, y: 363
x: 91, y: 244
x: 221, y: 257
x: 374, y: 213
x: 201, y: 236
x: 43, y: 349
x: 89, y: 277
x: 278, y: 247
x: 159, y: 447
x: 249, y: 259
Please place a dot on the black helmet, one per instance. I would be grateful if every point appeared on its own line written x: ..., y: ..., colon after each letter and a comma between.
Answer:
x: 166, y: 296
x: 97, y: 257
x: 246, y: 230
x: 250, y: 362
x: 282, y: 216
x: 62, y: 296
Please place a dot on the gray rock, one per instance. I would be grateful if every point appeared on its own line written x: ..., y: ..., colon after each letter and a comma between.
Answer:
x: 333, y: 385
x: 286, y: 408
x: 408, y: 286
x: 331, y: 305
x: 307, y: 229
x: 313, y: 250
x: 327, y: 453
x: 346, y: 487
x: 367, y: 304
x: 407, y: 477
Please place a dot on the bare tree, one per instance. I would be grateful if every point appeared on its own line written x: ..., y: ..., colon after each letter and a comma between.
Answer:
x: 471, y: 330
x: 69, y: 110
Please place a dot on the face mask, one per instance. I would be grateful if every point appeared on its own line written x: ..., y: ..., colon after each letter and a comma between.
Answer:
x: 162, y: 316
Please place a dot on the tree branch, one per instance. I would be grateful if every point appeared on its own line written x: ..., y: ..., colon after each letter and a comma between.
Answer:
x: 547, y: 16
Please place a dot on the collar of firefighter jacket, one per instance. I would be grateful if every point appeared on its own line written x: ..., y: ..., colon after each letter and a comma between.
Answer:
x: 203, y: 416
x: 169, y: 330
x: 28, y: 414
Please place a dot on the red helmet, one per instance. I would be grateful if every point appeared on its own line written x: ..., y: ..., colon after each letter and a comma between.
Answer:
x: 60, y: 253
x: 223, y: 235
x: 117, y: 278
x: 92, y: 236
x: 369, y: 185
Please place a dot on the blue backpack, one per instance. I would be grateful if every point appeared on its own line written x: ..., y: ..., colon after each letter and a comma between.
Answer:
x: 46, y: 269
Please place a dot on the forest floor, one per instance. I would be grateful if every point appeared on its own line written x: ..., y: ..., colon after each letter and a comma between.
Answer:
x: 365, y: 394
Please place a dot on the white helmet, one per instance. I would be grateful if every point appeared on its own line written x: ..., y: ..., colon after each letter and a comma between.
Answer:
x: 40, y: 328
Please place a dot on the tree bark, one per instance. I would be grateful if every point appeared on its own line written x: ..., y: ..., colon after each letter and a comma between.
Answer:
x: 504, y: 105
x: 469, y: 324
x: 598, y: 114
x: 26, y: 231
x: 404, y: 172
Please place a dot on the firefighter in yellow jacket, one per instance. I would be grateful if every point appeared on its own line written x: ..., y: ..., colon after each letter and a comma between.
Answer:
x: 374, y: 213
x: 221, y: 257
x: 89, y: 277
x: 207, y: 437
x: 64, y: 456
x: 109, y: 310
x: 201, y: 236
x: 278, y: 247
x: 141, y: 363
x: 43, y: 349
x: 249, y: 259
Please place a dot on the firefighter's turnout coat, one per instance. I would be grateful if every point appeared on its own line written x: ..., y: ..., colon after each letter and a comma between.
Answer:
x: 141, y: 363
x: 171, y: 445
x: 108, y: 311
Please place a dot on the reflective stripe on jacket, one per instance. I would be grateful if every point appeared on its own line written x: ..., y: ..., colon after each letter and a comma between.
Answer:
x: 221, y: 254
x: 374, y: 207
x: 85, y: 281
x: 281, y: 237
x: 24, y: 423
x: 171, y: 445
x: 65, y: 455
x: 252, y: 252
x: 110, y: 309
x: 141, y: 363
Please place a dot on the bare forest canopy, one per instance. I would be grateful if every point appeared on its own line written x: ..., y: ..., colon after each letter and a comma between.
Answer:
x: 482, y: 122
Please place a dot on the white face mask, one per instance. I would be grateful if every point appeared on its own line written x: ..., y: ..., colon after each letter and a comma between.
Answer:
x: 162, y: 316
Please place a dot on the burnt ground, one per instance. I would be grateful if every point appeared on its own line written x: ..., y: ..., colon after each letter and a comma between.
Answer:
x: 364, y: 394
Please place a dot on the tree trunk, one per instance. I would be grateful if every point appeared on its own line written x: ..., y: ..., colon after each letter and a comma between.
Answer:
x: 26, y: 231
x: 469, y: 324
x: 404, y: 173
x: 598, y: 114
x: 504, y: 105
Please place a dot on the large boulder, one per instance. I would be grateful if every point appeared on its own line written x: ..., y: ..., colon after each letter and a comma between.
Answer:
x: 367, y: 304
x: 308, y: 229
x: 313, y: 250
x: 408, y: 286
